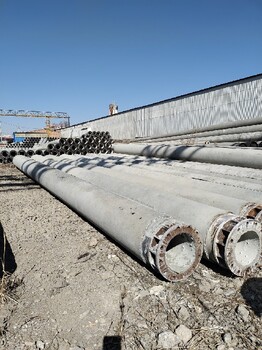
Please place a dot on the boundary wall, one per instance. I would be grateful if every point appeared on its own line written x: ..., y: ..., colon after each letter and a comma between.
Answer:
x: 237, y: 100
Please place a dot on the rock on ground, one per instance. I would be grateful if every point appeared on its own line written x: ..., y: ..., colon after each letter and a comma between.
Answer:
x: 73, y: 288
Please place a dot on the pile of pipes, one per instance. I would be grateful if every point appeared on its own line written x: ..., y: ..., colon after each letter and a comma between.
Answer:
x: 241, y: 133
x: 165, y: 212
x: 93, y: 141
x: 240, y: 157
x: 29, y: 142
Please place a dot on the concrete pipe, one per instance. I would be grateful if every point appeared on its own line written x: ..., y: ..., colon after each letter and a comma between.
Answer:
x: 218, y: 132
x: 234, y: 157
x: 250, y: 179
x: 228, y: 198
x: 30, y: 152
x: 228, y: 125
x: 4, y: 153
x: 172, y: 249
x: 57, y: 146
x: 205, y: 218
x: 246, y: 137
x: 70, y: 141
x: 62, y: 141
x: 12, y: 153
x: 189, y: 141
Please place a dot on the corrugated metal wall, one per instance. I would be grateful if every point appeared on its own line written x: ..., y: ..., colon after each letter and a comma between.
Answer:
x: 230, y: 102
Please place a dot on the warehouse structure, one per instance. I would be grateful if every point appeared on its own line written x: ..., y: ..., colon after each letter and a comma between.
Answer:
x: 233, y: 101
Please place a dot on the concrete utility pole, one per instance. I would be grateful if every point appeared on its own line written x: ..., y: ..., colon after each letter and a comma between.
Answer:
x: 235, y: 157
x: 237, y: 250
x: 171, y: 248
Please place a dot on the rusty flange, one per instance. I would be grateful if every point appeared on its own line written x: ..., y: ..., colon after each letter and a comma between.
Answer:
x: 243, y: 246
x: 176, y: 251
x: 252, y: 211
x: 222, y: 229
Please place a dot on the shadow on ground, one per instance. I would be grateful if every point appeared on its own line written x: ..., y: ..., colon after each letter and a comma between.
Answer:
x: 112, y: 343
x: 251, y: 291
x: 8, y: 263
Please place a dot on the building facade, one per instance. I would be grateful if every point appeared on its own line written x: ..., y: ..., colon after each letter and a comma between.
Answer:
x: 236, y: 100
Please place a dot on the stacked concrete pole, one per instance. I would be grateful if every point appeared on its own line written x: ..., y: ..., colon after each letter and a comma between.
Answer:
x: 215, y: 137
x: 227, y: 197
x: 234, y: 157
x: 170, y: 247
x: 230, y: 240
x: 242, y: 132
x: 91, y: 142
x: 204, y: 173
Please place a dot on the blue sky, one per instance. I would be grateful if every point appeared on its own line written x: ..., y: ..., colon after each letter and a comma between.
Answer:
x: 78, y: 56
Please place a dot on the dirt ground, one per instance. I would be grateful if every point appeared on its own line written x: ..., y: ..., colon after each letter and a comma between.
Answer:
x: 70, y: 287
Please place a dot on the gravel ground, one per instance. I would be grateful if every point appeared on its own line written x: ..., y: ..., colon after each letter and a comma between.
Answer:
x: 70, y: 287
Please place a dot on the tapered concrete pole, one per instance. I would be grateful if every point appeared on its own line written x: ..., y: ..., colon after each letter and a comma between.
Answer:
x: 235, y: 157
x: 229, y: 198
x: 172, y: 248
x: 252, y: 136
x: 219, y: 132
x: 226, y: 175
x: 209, y: 221
x: 221, y: 126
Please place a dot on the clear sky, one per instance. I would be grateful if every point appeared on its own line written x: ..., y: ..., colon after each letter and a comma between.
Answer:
x: 78, y: 56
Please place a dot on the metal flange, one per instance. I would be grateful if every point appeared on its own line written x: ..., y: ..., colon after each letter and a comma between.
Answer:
x: 252, y: 211
x: 221, y: 230
x: 237, y: 243
x: 243, y: 246
x: 175, y: 251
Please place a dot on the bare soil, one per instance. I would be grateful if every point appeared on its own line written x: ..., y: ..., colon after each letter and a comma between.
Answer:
x: 68, y: 286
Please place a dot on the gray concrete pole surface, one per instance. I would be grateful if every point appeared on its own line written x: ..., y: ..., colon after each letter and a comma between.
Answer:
x: 229, y: 198
x: 227, y: 125
x: 202, y: 171
x: 235, y: 157
x: 208, y: 220
x: 245, y: 130
x: 172, y: 248
x: 247, y: 137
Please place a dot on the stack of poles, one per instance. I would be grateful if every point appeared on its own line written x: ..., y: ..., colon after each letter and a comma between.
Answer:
x: 228, y: 221
x: 170, y: 247
x: 244, y: 133
x: 241, y: 157
x: 93, y: 141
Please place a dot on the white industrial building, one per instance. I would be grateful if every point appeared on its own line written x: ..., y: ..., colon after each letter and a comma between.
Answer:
x: 232, y: 101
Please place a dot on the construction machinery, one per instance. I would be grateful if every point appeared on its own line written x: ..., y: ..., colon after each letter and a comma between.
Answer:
x: 37, y: 114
